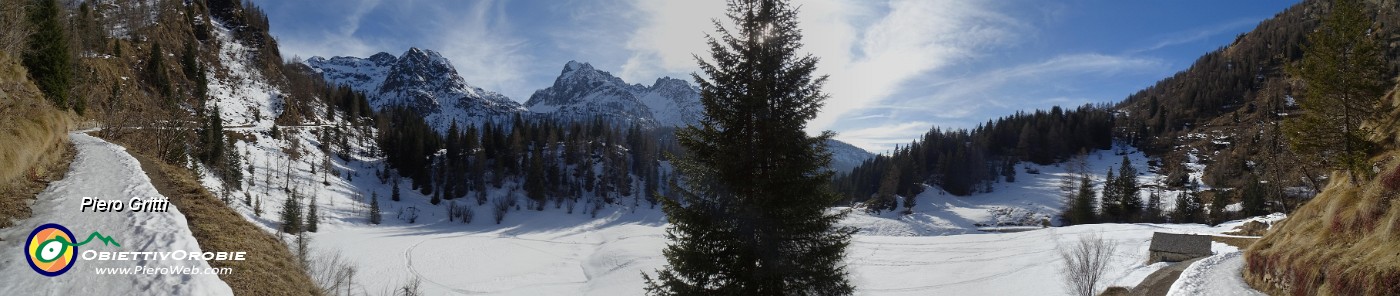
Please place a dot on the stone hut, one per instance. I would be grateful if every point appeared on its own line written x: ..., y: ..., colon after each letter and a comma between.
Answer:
x: 1172, y: 247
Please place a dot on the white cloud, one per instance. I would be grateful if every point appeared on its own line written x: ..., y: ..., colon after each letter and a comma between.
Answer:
x: 869, y: 49
x: 912, y: 39
x: 480, y: 45
x: 967, y: 99
x: 882, y: 139
x: 1198, y: 34
x: 668, y: 34
x: 339, y: 40
x: 967, y: 89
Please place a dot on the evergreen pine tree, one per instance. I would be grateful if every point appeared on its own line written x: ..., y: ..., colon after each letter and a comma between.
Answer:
x: 233, y: 165
x: 1182, y: 211
x: 1345, y: 75
x: 1153, y: 214
x: 1189, y: 208
x: 1217, y: 210
x: 1128, y: 191
x: 312, y: 218
x: 155, y: 71
x: 395, y: 195
x: 1111, y: 203
x: 885, y: 199
x: 374, y: 215
x: 48, y: 59
x: 753, y: 219
x: 1253, y: 197
x: 1080, y: 209
x: 291, y: 215
x: 535, y: 180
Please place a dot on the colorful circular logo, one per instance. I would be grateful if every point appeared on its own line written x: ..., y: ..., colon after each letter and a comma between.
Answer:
x: 50, y: 249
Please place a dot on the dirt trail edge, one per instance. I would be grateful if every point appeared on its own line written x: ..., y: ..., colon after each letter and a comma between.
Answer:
x: 1160, y: 282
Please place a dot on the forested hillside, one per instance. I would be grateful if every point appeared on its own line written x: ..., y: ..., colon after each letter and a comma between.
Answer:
x: 1228, y: 108
x: 967, y: 161
x: 561, y: 164
x: 1217, y: 126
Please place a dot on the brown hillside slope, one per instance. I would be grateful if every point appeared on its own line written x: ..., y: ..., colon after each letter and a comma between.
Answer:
x: 271, y: 269
x: 32, y: 140
x: 1345, y: 241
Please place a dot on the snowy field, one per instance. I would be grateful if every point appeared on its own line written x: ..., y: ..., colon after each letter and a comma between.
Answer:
x: 104, y: 170
x: 942, y: 248
x: 551, y: 253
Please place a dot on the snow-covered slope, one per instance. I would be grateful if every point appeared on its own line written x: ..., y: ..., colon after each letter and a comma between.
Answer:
x: 243, y: 95
x: 1034, y: 199
x: 845, y: 156
x: 104, y: 170
x: 421, y: 80
x: 582, y: 93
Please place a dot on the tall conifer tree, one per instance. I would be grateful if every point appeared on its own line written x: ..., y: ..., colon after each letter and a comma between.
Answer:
x: 48, y: 59
x: 753, y: 219
x: 1344, y: 71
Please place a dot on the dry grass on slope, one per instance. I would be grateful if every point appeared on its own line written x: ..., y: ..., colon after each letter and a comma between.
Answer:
x: 1346, y: 241
x: 270, y: 268
x: 33, y: 147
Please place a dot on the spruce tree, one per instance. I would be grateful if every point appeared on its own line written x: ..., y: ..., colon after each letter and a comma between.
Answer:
x: 1128, y: 189
x: 1189, y: 208
x: 1153, y: 214
x: 535, y: 180
x: 1343, y: 69
x: 1217, y: 210
x: 312, y: 218
x: 374, y: 215
x: 1081, y: 204
x: 395, y: 195
x: 155, y: 71
x: 753, y: 219
x: 1252, y: 198
x: 1111, y: 203
x: 48, y: 59
x: 291, y: 215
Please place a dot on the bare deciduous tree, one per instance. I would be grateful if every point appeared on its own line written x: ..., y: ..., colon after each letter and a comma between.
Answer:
x: 1085, y: 263
x: 332, y: 273
x: 15, y: 35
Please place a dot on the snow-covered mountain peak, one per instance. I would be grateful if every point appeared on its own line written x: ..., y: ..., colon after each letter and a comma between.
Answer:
x: 383, y: 58
x: 574, y: 66
x: 668, y: 82
x: 584, y: 92
x: 419, y: 79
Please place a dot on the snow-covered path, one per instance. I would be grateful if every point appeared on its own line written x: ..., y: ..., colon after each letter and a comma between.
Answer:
x: 104, y: 170
x: 1215, y: 275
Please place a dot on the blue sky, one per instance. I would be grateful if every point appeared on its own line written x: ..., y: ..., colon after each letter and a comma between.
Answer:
x: 896, y: 67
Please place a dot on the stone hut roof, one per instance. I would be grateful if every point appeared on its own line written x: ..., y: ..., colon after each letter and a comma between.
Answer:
x: 1180, y: 243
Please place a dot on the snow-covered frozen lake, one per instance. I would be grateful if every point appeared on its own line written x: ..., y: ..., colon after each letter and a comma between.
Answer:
x: 551, y: 253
